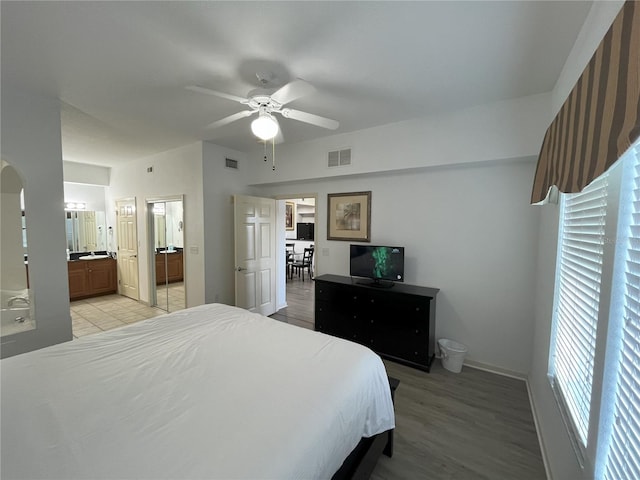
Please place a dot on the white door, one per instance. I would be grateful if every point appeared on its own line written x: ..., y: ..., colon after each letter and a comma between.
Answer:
x: 127, y: 248
x: 255, y: 253
x: 87, y: 231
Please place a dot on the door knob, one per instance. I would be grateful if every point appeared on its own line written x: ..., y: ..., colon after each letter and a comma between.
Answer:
x: 240, y: 269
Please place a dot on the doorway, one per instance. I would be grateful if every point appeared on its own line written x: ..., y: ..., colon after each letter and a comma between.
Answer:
x: 298, y: 232
x: 299, y: 228
x: 165, y: 228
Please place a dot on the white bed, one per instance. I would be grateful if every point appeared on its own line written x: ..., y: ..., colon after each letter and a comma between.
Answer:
x: 209, y: 392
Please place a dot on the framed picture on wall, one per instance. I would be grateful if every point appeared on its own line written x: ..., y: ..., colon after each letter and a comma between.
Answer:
x: 289, y: 214
x: 349, y: 216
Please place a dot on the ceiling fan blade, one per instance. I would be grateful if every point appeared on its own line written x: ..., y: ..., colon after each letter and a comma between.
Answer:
x: 208, y: 91
x: 293, y: 90
x: 230, y: 118
x: 310, y: 118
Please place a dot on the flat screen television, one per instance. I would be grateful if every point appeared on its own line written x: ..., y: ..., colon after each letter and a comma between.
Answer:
x: 304, y: 231
x: 379, y: 265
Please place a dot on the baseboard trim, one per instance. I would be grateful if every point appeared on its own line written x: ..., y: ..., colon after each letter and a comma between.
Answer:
x: 536, y: 423
x: 497, y: 370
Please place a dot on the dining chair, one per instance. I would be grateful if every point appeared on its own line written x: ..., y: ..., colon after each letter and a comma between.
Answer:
x: 306, y: 263
x: 289, y: 259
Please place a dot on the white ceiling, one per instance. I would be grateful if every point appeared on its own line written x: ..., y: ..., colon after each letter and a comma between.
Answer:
x: 120, y: 68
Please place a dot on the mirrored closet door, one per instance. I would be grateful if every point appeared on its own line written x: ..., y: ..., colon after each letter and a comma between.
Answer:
x: 166, y: 248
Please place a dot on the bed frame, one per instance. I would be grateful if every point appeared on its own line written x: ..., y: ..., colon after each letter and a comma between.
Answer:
x: 363, y: 459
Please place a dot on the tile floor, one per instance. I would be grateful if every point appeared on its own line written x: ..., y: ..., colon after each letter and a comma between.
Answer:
x: 173, y: 296
x: 98, y: 314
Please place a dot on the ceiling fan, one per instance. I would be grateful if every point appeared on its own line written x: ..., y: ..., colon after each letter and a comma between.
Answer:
x: 266, y: 104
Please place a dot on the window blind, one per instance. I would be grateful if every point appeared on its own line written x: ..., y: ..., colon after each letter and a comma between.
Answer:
x: 582, y: 237
x: 623, y: 459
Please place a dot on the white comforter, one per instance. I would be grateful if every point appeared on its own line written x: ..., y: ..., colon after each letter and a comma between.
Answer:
x: 209, y: 392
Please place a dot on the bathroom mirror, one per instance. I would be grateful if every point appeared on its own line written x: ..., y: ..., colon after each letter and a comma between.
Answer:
x: 166, y: 246
x: 86, y: 231
x: 15, y: 299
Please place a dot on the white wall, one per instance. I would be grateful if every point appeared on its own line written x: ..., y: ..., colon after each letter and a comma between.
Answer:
x: 31, y: 142
x: 175, y: 172
x: 502, y: 130
x: 454, y: 190
x: 560, y: 457
x: 92, y: 195
x: 468, y: 230
x: 84, y: 173
x: 219, y: 185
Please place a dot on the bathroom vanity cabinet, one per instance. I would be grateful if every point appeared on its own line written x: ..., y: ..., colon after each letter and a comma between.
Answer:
x: 90, y: 278
x: 169, y: 267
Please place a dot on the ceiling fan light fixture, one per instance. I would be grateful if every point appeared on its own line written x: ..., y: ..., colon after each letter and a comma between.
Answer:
x: 264, y: 127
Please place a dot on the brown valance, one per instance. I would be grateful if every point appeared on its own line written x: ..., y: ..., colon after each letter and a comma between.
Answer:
x: 600, y: 119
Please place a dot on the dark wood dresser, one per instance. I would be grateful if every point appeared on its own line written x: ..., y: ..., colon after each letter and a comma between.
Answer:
x: 397, y: 323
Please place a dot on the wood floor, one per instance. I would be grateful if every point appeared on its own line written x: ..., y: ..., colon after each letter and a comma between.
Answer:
x: 300, y: 301
x: 472, y: 425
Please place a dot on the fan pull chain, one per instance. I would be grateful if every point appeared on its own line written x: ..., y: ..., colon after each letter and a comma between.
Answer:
x: 273, y: 153
x: 265, y: 151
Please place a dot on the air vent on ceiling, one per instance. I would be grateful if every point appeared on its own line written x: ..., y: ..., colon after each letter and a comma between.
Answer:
x: 230, y: 163
x: 340, y: 158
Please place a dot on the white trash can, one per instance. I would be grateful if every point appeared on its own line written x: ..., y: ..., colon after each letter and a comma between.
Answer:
x: 452, y: 354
